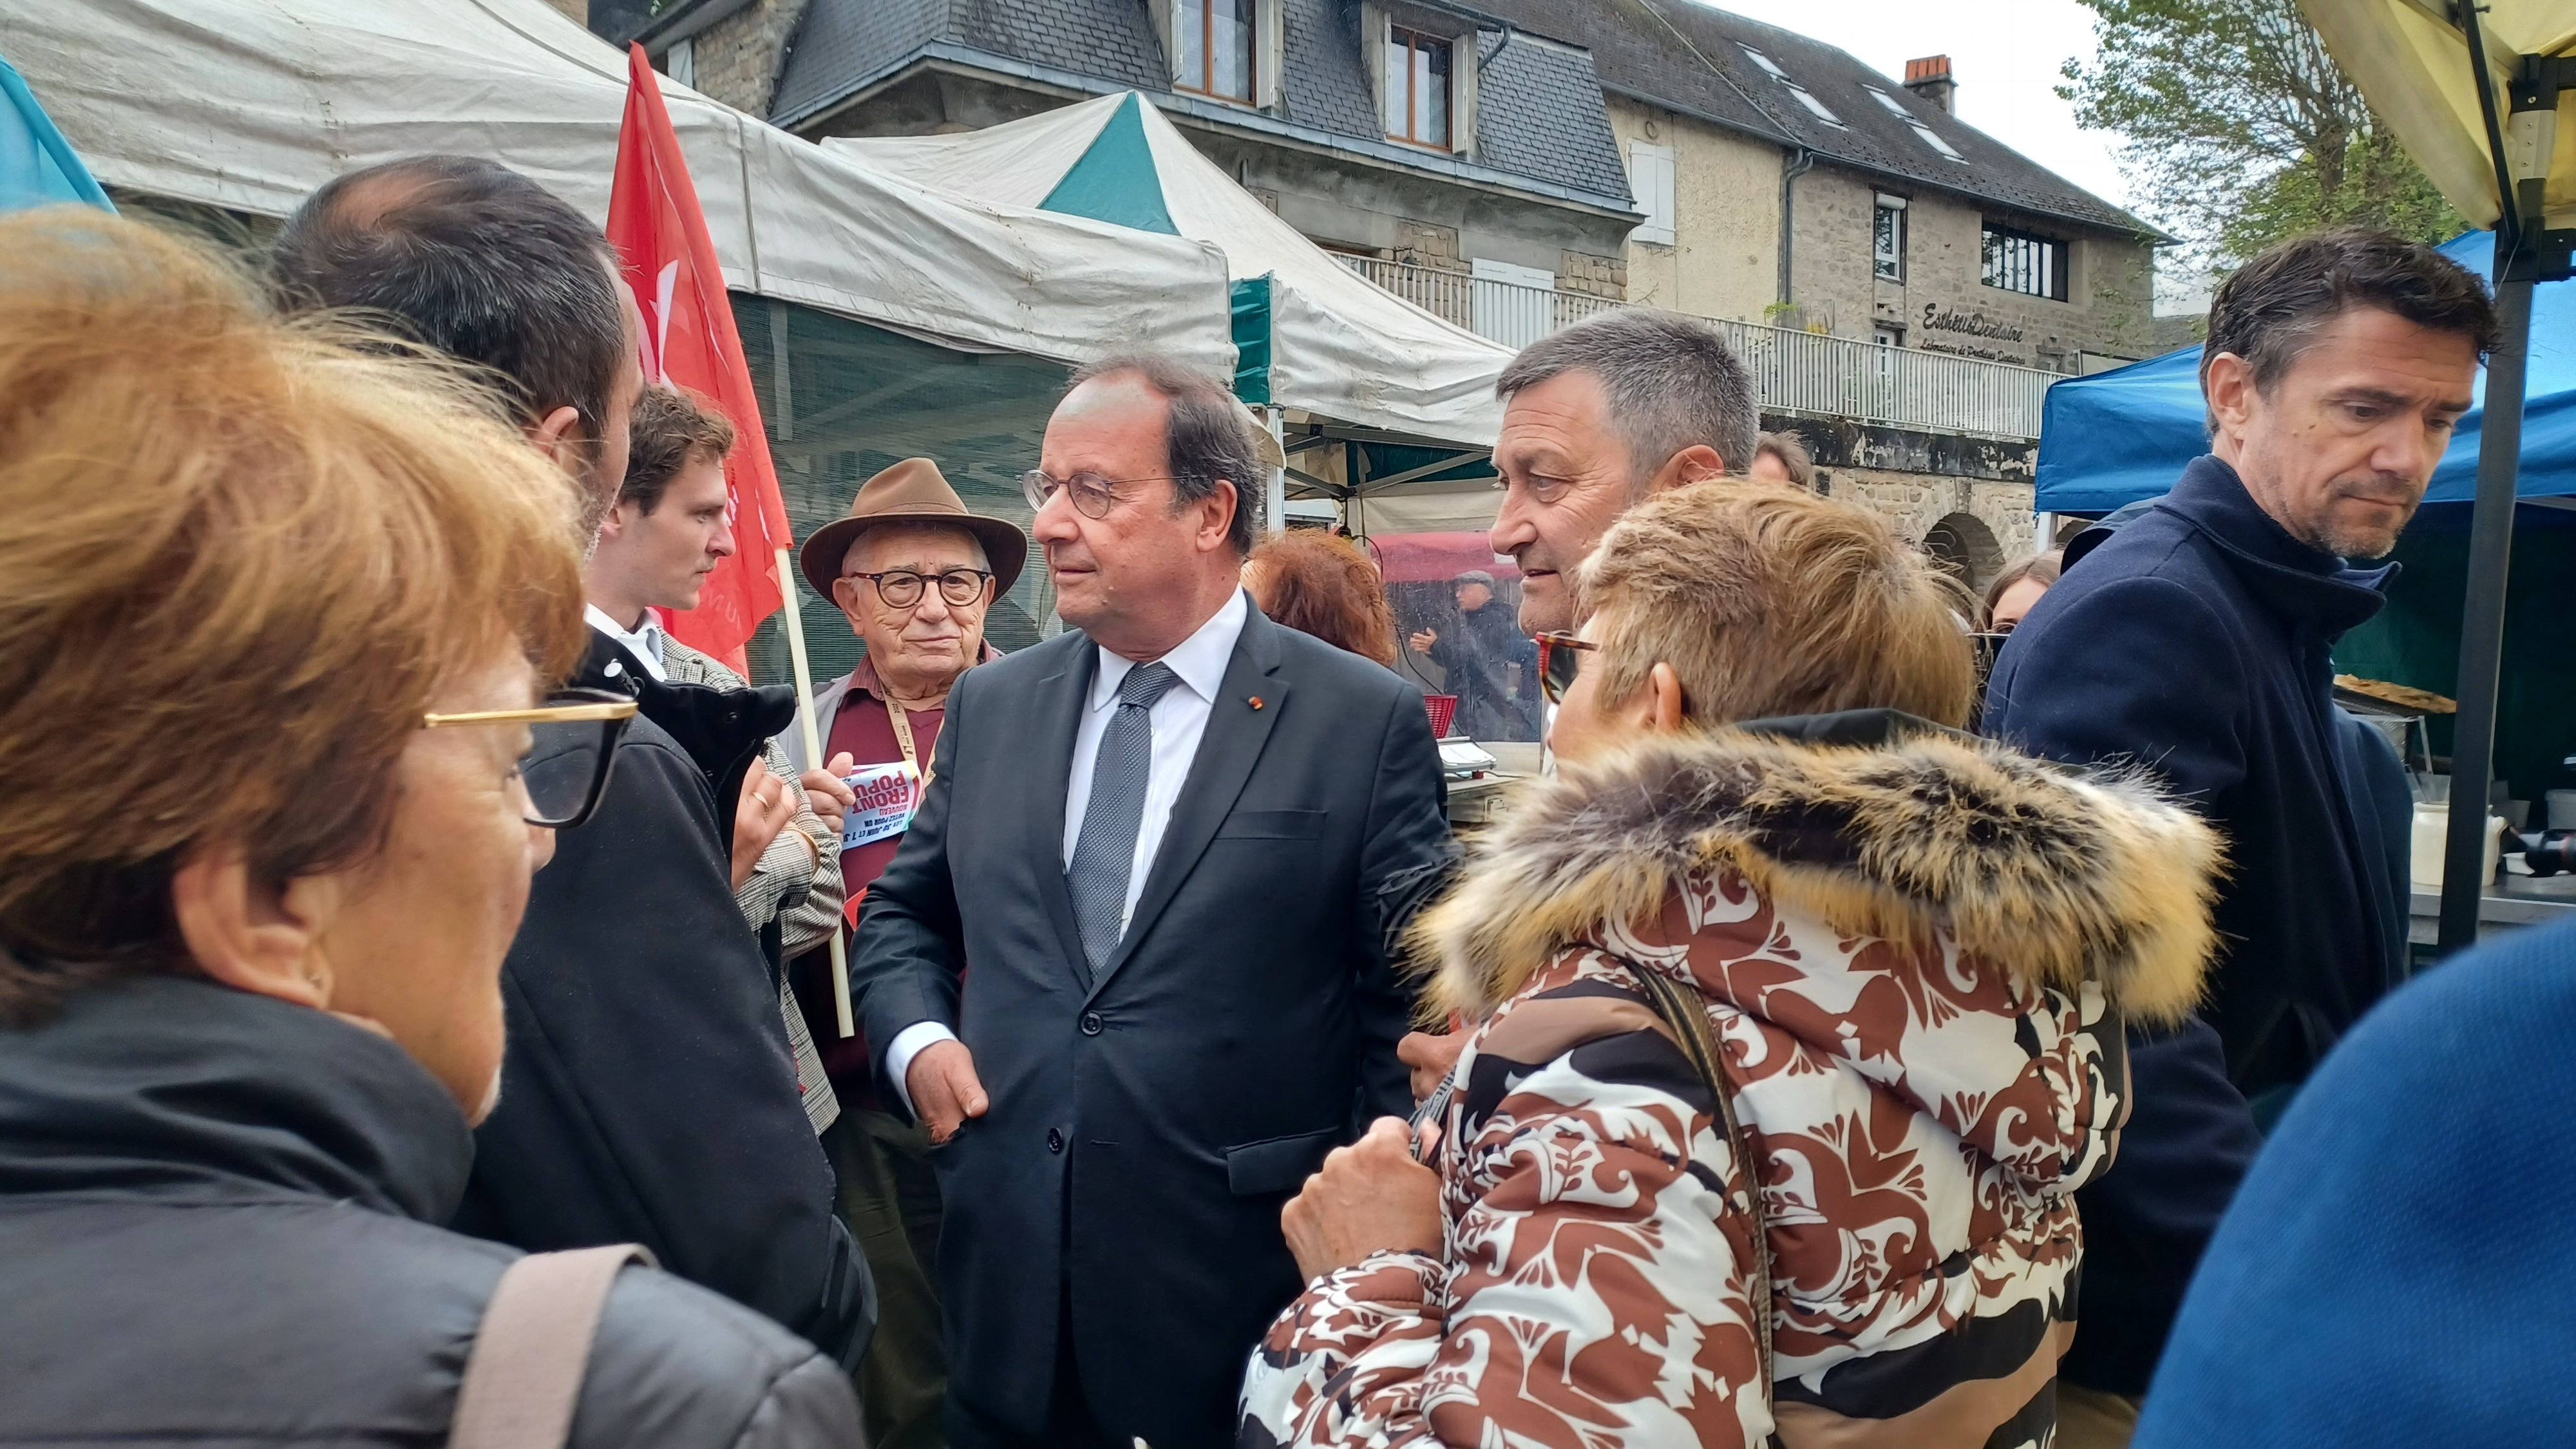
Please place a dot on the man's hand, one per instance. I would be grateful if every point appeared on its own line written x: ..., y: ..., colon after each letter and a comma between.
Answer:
x: 944, y: 1088
x: 828, y: 793
x: 1370, y: 1197
x: 764, y: 810
x: 1430, y: 1058
x: 1423, y: 639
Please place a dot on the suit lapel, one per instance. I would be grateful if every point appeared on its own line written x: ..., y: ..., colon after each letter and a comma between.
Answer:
x: 1228, y: 750
x: 1061, y: 696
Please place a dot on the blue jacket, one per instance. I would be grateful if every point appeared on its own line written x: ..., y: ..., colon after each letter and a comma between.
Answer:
x: 2393, y: 1269
x: 2195, y: 642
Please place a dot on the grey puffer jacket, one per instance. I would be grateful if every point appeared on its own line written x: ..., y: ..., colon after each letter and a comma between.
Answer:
x: 217, y: 1228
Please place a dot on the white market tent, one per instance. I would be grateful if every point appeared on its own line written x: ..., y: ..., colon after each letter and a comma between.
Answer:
x: 1340, y: 347
x: 250, y: 104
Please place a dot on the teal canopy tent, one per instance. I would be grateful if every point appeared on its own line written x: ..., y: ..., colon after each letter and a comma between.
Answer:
x: 37, y: 166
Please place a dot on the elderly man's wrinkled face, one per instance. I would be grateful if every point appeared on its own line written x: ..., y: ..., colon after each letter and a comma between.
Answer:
x: 1132, y: 578
x: 416, y: 943
x: 2339, y: 449
x: 917, y: 648
x: 1566, y: 478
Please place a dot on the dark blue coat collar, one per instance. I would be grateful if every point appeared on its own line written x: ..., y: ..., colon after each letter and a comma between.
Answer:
x: 2306, y: 583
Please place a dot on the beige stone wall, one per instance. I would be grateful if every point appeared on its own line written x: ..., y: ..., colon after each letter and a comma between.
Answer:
x: 1424, y: 244
x: 1724, y: 260
x: 1943, y: 303
x: 1915, y: 503
x: 738, y: 57
x: 1591, y: 276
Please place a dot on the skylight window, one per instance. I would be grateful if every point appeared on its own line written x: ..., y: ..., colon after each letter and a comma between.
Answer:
x: 1822, y: 112
x: 1772, y: 68
x: 1888, y: 102
x: 1936, y: 143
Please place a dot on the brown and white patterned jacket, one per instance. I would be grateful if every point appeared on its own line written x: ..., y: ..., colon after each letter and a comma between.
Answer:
x: 1917, y: 957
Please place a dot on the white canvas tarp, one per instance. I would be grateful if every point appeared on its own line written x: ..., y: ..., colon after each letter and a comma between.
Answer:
x: 250, y: 104
x: 1340, y: 346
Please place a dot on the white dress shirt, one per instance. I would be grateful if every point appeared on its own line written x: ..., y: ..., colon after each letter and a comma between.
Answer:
x: 643, y: 641
x: 1180, y: 718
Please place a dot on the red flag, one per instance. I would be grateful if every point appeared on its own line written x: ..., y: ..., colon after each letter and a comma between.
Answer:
x: 689, y: 341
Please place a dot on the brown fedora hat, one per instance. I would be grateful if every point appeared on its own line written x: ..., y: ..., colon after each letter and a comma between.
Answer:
x: 911, y: 491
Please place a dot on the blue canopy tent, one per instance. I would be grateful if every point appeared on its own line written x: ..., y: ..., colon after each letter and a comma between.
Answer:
x: 37, y: 166
x: 2116, y: 437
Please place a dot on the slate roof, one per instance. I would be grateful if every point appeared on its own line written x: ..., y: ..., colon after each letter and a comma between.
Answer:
x: 1539, y: 109
x: 1690, y: 57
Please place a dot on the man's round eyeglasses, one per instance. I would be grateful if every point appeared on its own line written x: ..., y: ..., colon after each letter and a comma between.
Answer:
x: 572, y: 742
x: 901, y: 588
x: 1093, y: 496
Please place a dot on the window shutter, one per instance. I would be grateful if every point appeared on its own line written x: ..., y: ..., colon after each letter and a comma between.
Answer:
x: 1650, y: 178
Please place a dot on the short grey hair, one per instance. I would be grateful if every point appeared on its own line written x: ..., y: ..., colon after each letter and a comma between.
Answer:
x: 1207, y: 436
x: 1672, y: 383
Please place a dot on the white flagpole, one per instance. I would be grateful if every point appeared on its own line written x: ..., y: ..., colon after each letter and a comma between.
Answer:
x: 814, y: 753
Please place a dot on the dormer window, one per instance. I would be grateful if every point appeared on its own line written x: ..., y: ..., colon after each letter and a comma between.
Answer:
x: 1418, y: 90
x: 1215, y: 44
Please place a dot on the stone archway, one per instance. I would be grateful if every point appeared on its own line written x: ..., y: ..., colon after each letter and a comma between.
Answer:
x: 1966, y: 547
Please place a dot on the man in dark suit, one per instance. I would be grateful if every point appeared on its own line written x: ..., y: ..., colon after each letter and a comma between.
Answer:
x: 648, y: 1093
x: 1170, y: 841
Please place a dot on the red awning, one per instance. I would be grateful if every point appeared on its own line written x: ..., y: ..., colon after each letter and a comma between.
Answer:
x: 1427, y: 558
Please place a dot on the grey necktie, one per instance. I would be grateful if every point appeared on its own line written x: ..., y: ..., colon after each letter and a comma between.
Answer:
x: 1104, y: 855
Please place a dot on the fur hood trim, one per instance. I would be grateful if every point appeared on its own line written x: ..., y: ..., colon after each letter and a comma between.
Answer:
x: 2056, y: 876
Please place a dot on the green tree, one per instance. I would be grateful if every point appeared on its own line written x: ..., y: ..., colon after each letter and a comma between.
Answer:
x: 2239, y: 130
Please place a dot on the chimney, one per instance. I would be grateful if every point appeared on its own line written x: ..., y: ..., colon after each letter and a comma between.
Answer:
x: 1930, y: 79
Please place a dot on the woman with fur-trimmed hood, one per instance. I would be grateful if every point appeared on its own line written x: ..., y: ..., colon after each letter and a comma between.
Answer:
x: 1913, y: 950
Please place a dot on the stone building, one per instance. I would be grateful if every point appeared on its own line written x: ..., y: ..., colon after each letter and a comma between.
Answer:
x: 1903, y: 285
x: 1784, y: 182
x: 1413, y: 133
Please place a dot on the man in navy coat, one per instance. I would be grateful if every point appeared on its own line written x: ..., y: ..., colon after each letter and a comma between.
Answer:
x: 2196, y: 643
x: 1129, y: 964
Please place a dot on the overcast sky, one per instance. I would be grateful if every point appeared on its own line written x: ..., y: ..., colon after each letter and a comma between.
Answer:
x: 2005, y: 55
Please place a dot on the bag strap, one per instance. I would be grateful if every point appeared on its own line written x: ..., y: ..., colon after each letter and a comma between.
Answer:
x: 524, y: 1374
x: 1685, y: 1010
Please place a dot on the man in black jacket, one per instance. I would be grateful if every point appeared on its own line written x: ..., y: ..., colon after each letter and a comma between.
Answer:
x: 648, y: 1094
x: 2196, y: 642
x: 1168, y: 841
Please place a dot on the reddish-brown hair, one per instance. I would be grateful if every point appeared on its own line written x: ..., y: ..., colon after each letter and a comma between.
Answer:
x: 1316, y: 583
x: 241, y: 558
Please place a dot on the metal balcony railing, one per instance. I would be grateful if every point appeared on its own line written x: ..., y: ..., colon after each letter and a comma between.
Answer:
x: 1793, y: 372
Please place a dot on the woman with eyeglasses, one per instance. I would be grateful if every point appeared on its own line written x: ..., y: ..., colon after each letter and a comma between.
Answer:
x: 278, y: 610
x: 1796, y: 1023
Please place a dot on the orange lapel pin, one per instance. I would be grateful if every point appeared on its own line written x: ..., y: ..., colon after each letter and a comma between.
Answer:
x: 1256, y: 701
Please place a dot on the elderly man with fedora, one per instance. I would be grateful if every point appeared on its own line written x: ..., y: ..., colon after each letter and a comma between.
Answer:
x: 914, y: 573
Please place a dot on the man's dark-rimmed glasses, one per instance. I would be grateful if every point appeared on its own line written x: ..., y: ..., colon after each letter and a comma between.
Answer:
x: 1093, y: 496
x: 902, y: 588
x: 572, y: 742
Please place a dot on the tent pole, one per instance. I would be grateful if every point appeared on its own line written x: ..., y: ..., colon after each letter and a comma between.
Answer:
x: 2469, y: 843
